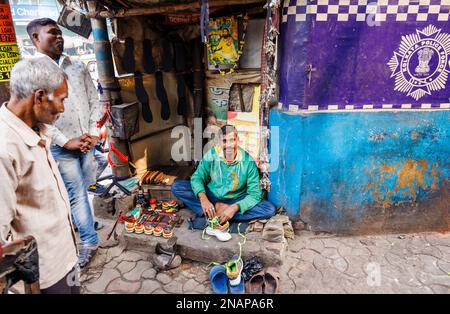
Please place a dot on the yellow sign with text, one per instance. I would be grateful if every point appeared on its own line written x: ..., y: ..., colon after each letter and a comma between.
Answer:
x: 9, y: 55
x: 9, y: 52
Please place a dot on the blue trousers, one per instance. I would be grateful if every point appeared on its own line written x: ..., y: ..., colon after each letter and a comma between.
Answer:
x: 102, y: 163
x: 78, y: 172
x: 183, y: 191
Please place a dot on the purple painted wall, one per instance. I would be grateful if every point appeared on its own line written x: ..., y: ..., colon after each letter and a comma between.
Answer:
x: 352, y: 56
x: 384, y: 169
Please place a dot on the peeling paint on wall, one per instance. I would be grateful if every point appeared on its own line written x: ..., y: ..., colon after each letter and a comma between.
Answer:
x: 402, y: 182
x: 359, y: 171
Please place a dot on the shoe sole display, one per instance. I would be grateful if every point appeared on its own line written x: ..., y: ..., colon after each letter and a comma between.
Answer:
x: 129, y: 227
x: 148, y: 231
x: 157, y: 232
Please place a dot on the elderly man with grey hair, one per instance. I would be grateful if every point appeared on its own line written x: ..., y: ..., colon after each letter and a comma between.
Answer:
x: 33, y: 197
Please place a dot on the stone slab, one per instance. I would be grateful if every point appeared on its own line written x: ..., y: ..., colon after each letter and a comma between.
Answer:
x: 191, y: 246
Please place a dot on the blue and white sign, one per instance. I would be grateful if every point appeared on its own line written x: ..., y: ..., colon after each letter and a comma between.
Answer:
x: 365, y: 54
x: 30, y: 12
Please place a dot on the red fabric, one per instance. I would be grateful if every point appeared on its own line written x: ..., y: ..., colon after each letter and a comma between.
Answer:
x: 122, y: 157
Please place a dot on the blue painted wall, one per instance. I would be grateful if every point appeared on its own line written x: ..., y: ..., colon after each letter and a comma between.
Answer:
x: 364, y: 172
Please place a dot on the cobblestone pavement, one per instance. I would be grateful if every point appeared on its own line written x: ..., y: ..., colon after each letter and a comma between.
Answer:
x: 315, y: 263
x: 117, y: 271
x: 413, y: 263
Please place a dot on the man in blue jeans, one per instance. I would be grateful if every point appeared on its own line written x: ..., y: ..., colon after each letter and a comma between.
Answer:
x: 225, y: 184
x: 73, y: 134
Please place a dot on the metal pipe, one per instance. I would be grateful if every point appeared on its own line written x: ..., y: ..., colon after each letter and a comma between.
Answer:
x: 103, y: 55
x: 111, y: 93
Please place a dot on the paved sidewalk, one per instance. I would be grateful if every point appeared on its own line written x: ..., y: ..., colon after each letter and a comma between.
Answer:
x: 413, y: 263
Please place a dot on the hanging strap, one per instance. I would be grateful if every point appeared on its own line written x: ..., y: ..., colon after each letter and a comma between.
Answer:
x: 240, y: 243
x: 128, y: 56
x: 121, y: 156
x: 180, y: 66
x: 107, y: 117
x: 204, y: 20
x: 162, y: 95
x: 166, y: 46
x: 142, y: 97
x: 147, y: 57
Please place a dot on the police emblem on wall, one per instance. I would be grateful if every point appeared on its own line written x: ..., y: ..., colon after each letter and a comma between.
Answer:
x: 421, y: 65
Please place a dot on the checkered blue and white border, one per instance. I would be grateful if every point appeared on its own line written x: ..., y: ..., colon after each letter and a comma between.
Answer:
x: 294, y: 108
x: 362, y: 10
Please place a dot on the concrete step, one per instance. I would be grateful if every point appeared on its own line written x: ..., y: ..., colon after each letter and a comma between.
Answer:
x: 191, y: 246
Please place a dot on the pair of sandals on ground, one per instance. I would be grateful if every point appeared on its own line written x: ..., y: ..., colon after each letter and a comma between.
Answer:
x: 228, y: 278
x: 264, y: 282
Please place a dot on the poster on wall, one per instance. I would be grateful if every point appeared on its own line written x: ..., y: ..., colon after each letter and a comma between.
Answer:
x: 9, y: 52
x: 218, y: 96
x: 247, y: 125
x: 380, y: 54
x: 223, y: 43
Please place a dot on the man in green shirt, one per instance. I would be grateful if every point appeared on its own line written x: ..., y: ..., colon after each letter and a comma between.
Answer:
x: 225, y: 184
